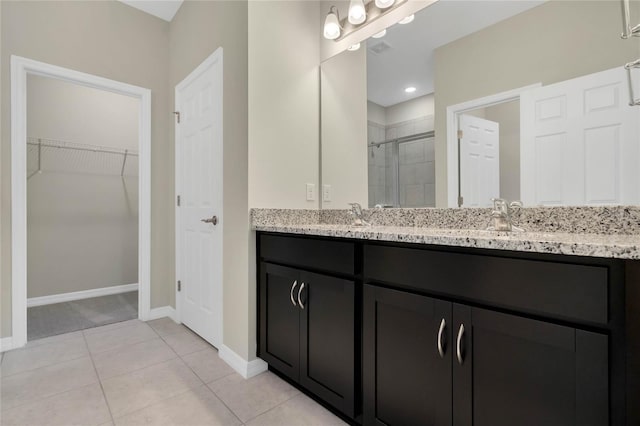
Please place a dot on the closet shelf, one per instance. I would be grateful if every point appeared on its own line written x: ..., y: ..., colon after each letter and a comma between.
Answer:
x: 49, y: 155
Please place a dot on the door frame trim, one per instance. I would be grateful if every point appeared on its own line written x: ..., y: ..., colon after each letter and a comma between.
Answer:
x: 215, y: 57
x: 453, y: 111
x: 20, y: 68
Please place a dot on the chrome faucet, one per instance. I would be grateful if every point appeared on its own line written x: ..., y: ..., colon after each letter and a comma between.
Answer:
x: 358, y: 218
x: 502, y: 215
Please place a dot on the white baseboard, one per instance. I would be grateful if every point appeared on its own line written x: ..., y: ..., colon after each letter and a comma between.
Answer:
x: 78, y: 295
x: 162, y: 312
x: 245, y: 368
x: 6, y: 344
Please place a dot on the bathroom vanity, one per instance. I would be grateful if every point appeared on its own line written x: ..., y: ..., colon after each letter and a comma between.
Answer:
x: 446, y: 333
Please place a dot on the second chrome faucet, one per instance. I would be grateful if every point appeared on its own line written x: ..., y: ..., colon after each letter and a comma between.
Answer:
x: 358, y: 217
x: 502, y: 215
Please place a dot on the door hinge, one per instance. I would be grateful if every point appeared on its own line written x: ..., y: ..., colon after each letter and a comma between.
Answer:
x: 460, y: 201
x: 179, y: 285
x: 177, y: 114
x: 178, y: 200
x: 460, y: 132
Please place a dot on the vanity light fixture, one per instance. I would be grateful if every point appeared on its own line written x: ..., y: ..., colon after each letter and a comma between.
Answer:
x: 383, y: 4
x: 410, y: 89
x: 380, y: 34
x: 360, y: 14
x: 353, y: 47
x: 357, y: 12
x: 332, y: 24
x: 407, y: 20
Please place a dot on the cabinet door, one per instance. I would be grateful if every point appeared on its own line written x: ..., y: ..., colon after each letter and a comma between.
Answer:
x: 519, y: 371
x: 406, y: 371
x: 327, y: 339
x: 280, y: 318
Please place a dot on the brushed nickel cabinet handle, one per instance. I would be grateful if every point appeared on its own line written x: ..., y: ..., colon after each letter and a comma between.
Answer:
x: 459, y: 344
x: 633, y: 101
x: 300, y: 292
x: 213, y: 220
x: 443, y: 324
x: 293, y: 301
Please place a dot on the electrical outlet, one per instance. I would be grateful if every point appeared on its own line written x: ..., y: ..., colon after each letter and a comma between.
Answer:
x: 311, y: 192
x: 326, y: 193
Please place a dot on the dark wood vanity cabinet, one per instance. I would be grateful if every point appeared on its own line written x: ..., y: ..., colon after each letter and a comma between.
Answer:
x: 406, y: 358
x: 515, y: 370
x: 455, y: 336
x: 432, y: 362
x: 307, y: 327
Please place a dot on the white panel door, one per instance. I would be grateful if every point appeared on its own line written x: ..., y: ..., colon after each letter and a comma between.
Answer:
x: 199, y: 183
x: 479, y: 161
x: 579, y: 142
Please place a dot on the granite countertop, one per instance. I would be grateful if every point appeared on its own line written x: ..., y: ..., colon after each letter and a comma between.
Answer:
x: 593, y: 245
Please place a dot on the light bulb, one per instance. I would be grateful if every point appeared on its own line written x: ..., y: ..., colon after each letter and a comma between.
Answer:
x: 331, y: 25
x: 407, y: 19
x: 410, y: 89
x: 353, y: 47
x: 380, y: 34
x: 357, y: 12
x: 383, y: 4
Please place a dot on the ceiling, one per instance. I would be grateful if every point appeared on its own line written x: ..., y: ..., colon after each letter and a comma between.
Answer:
x: 409, y: 58
x: 163, y: 9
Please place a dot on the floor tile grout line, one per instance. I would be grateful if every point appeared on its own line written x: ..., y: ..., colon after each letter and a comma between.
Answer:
x: 3, y: 410
x: 133, y: 324
x: 129, y: 345
x: 39, y: 345
x: 277, y: 405
x: 180, y: 356
x: 124, y: 346
x: 80, y: 356
x: 139, y: 369
x: 104, y: 395
x: 222, y: 401
x: 181, y: 392
x: 200, y: 378
x: 42, y: 398
x: 142, y: 322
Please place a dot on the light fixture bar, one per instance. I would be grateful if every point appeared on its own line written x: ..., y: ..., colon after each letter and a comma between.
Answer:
x: 373, y: 13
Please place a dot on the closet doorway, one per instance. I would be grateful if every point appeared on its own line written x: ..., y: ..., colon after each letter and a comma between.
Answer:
x: 80, y: 201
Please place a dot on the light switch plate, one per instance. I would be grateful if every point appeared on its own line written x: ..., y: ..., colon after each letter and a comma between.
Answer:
x: 326, y: 193
x: 311, y: 192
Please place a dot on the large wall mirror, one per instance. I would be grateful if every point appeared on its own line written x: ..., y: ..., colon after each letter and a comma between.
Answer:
x: 474, y: 100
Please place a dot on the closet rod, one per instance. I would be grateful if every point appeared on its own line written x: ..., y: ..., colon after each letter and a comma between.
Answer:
x: 102, y: 150
x: 410, y: 138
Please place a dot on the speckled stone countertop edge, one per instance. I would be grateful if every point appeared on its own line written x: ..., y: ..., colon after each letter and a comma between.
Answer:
x: 588, y: 245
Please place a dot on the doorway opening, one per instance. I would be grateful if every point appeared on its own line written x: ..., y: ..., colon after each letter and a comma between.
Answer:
x: 482, y: 146
x: 82, y: 207
x: 80, y: 200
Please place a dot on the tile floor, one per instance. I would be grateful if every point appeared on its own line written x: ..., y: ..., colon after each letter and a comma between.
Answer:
x: 135, y: 373
x: 58, y: 318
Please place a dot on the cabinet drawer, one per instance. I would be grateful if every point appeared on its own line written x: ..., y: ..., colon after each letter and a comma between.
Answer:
x: 554, y: 289
x: 334, y: 256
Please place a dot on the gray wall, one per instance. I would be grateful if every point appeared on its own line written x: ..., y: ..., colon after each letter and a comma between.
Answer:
x: 535, y: 46
x: 344, y: 129
x: 69, y: 112
x: 508, y: 115
x: 82, y: 216
x: 197, y: 30
x: 284, y: 103
x: 82, y: 232
x: 107, y: 39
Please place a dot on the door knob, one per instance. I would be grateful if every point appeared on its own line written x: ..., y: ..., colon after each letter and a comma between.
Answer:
x: 213, y: 220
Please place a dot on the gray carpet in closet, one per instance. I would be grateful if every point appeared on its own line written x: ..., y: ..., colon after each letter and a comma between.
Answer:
x: 49, y: 320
